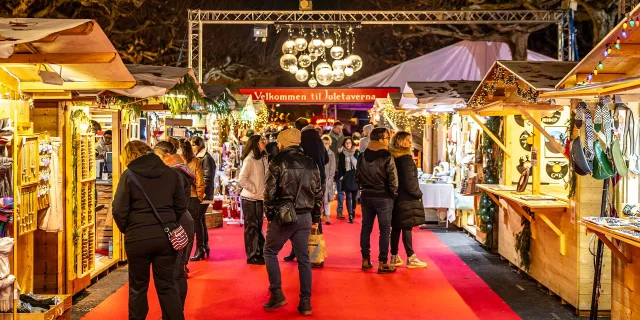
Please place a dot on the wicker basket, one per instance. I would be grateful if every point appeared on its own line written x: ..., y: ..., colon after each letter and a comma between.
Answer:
x: 213, y: 219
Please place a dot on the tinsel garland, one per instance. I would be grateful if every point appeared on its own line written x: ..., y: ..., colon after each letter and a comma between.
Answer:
x: 76, y: 116
x: 492, y: 171
x: 523, y: 243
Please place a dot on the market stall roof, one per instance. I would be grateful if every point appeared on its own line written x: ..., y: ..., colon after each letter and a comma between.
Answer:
x: 77, y: 51
x: 465, y: 60
x: 154, y: 81
x: 623, y: 88
x: 617, y: 64
x: 436, y: 96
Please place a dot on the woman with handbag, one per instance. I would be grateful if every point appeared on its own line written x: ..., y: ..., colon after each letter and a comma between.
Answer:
x: 347, y: 161
x: 197, y: 195
x: 408, y: 210
x: 251, y: 179
x: 148, y: 202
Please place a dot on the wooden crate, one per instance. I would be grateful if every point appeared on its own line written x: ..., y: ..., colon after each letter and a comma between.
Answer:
x: 214, y: 219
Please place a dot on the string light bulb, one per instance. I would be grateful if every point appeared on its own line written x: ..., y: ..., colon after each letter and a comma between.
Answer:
x: 590, y: 76
x: 600, y: 65
x: 609, y: 50
x: 624, y: 34
x: 595, y: 71
x: 632, y: 23
x: 617, y: 45
x: 624, y: 25
x: 618, y: 40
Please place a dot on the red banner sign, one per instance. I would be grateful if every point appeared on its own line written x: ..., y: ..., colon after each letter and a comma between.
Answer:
x: 317, y: 95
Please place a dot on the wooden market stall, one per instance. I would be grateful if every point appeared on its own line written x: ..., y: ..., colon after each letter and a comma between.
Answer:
x: 44, y: 64
x: 534, y: 229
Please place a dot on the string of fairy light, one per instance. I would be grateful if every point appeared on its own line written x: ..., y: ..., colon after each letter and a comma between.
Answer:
x: 403, y: 120
x: 629, y: 25
x: 502, y: 76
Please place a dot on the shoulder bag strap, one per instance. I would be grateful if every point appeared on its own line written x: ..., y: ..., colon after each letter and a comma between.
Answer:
x: 155, y: 212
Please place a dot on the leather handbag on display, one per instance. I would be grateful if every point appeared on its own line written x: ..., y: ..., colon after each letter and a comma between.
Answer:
x: 601, y: 166
x: 616, y: 151
x: 582, y: 162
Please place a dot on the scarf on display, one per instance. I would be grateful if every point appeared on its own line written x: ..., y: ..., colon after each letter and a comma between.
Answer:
x: 350, y: 160
x: 6, y: 279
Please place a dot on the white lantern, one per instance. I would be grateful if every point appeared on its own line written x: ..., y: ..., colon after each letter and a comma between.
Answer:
x: 356, y: 62
x: 301, y: 44
x: 338, y: 74
x: 289, y: 47
x: 348, y: 71
x: 293, y: 69
x: 322, y: 65
x: 338, y: 64
x: 304, y: 60
x: 328, y: 43
x: 325, y: 76
x: 302, y: 75
x: 313, y: 83
x: 288, y: 60
x: 314, y: 57
x: 337, y: 52
x: 316, y: 47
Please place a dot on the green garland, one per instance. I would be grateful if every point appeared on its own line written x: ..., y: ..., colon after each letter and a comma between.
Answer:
x: 523, y: 243
x: 75, y: 116
x: 492, y: 171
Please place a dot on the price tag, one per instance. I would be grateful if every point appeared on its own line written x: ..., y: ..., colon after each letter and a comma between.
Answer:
x: 534, y: 156
x: 573, y: 212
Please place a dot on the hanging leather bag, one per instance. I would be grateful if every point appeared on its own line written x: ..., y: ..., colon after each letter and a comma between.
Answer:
x: 602, y: 168
x: 581, y: 161
x: 616, y: 151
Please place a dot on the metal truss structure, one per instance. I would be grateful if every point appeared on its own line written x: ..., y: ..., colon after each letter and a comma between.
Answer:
x: 198, y: 18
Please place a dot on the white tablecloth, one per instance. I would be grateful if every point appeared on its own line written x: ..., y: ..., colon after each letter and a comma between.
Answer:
x: 436, y: 195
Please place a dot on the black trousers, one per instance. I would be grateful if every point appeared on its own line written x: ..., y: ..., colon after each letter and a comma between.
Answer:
x: 407, y: 240
x: 352, y: 202
x: 253, y: 214
x: 181, y: 263
x: 202, y: 212
x: 194, y: 208
x: 372, y: 208
x: 161, y: 257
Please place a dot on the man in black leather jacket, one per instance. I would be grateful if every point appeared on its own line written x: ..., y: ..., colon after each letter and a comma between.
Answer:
x: 292, y: 177
x: 378, y: 180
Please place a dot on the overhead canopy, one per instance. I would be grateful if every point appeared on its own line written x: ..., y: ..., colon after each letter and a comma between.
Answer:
x: 465, y: 60
x: 154, y: 81
x: 77, y: 50
x: 436, y: 96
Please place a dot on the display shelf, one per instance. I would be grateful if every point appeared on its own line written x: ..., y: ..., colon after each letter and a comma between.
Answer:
x: 54, y: 312
x: 27, y: 211
x: 28, y: 159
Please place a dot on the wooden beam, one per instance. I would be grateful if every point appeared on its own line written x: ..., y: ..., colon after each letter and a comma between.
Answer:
x: 65, y: 95
x: 9, y: 80
x: 601, y: 77
x: 626, y: 50
x: 518, y: 209
x: 611, y: 246
x: 490, y: 134
x: 563, y: 246
x: 60, y: 58
x: 558, y: 148
x: 98, y: 85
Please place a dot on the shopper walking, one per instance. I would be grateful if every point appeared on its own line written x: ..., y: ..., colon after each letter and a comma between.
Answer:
x: 337, y: 138
x: 166, y: 151
x: 293, y: 197
x: 347, y: 164
x: 364, y: 141
x: 251, y: 179
x: 197, y: 195
x: 408, y: 210
x: 330, y: 170
x: 208, y: 175
x: 376, y: 174
x: 146, y: 243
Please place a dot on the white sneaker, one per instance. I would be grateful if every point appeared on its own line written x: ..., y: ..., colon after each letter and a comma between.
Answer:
x: 414, y: 263
x: 396, y: 261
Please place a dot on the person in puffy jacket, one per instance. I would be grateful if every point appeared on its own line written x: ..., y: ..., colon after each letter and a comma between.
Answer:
x: 146, y: 242
x: 377, y: 178
x: 251, y: 179
x: 293, y: 180
x: 208, y: 175
x: 408, y: 210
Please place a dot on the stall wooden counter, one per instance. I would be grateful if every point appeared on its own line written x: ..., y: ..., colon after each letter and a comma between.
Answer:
x: 625, y: 272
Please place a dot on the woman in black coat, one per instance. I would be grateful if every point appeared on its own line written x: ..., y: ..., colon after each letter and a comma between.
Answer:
x: 408, y: 210
x: 209, y: 172
x: 146, y: 243
x: 347, y: 160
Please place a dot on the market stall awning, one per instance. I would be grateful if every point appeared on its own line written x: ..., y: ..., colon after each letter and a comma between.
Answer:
x: 154, y: 81
x: 77, y: 55
x: 616, y: 57
x: 437, y: 96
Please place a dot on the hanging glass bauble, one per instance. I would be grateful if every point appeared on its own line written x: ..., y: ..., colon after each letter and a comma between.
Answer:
x: 356, y: 62
x: 338, y: 64
x: 304, y: 60
x: 328, y: 43
x: 289, y: 47
x: 288, y: 60
x: 301, y: 44
x: 337, y: 52
x: 316, y: 47
x: 313, y: 83
x: 348, y: 71
x: 302, y: 75
x: 347, y: 61
x: 322, y: 65
x: 338, y: 74
x: 325, y: 76
x: 293, y: 69
x: 314, y: 57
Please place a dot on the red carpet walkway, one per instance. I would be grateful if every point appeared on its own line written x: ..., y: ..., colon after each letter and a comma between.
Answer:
x: 225, y: 287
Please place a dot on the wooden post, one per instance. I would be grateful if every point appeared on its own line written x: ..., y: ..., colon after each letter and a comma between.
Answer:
x: 536, y: 170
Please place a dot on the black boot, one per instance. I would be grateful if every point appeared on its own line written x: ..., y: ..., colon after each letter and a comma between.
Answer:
x: 256, y: 260
x: 276, y: 300
x: 199, y: 255
x: 305, y: 307
x: 290, y: 257
x: 351, y: 218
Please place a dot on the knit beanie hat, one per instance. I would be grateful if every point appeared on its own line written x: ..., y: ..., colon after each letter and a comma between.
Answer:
x: 289, y: 137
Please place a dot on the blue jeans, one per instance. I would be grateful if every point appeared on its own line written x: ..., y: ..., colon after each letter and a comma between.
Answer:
x: 382, y: 208
x: 340, y: 194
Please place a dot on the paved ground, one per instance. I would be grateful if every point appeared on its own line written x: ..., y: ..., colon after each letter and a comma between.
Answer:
x: 522, y: 294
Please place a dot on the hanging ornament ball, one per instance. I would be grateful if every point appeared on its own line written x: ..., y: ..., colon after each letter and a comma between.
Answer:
x: 338, y: 64
x: 356, y: 62
x: 288, y: 60
x: 304, y: 60
x: 322, y: 65
x: 328, y: 43
x: 301, y: 44
x: 314, y: 57
x: 325, y: 76
x: 337, y: 52
x: 348, y: 71
x: 316, y: 47
x: 338, y: 74
x: 293, y: 69
x: 289, y: 47
x: 313, y: 83
x: 302, y: 75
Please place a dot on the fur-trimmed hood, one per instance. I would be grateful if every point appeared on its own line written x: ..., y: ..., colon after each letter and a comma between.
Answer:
x: 398, y: 152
